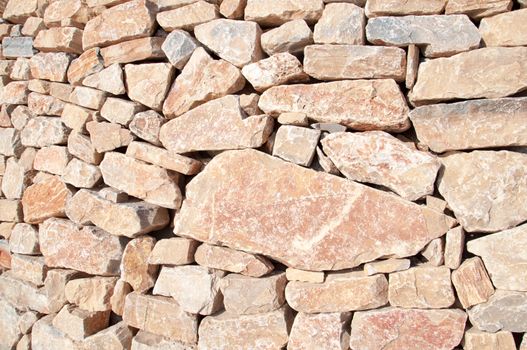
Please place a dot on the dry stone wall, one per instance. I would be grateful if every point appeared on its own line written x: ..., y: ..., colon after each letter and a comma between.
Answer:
x: 263, y: 174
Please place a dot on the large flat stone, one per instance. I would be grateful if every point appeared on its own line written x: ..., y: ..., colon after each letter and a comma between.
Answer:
x: 502, y: 29
x: 439, y: 35
x: 376, y: 8
x: 469, y: 75
x: 328, y: 331
x: 505, y: 310
x: 365, y: 104
x: 334, y: 229
x: 485, y: 189
x: 340, y: 23
x: 46, y: 199
x: 478, y: 9
x: 133, y: 50
x: 272, y: 13
x: 473, y: 285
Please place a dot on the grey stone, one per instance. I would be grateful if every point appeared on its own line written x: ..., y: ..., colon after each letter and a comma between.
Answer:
x: 13, y: 47
x: 178, y: 47
x: 505, y: 310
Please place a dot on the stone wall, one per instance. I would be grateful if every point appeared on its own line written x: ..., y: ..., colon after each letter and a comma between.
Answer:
x: 263, y: 174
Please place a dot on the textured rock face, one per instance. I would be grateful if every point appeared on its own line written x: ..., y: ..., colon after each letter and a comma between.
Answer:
x: 470, y: 75
x: 379, y: 158
x: 45, y: 199
x: 135, y: 269
x: 296, y: 144
x: 149, y: 83
x: 109, y: 79
x: 199, y: 128
x: 290, y: 37
x: 188, y: 17
x: 498, y: 30
x: 485, y: 189
x: 367, y: 104
x: 478, y: 9
x: 334, y: 62
x: 473, y: 285
x: 178, y: 47
x: 133, y: 50
x: 320, y: 331
x: 276, y: 12
x: 407, y: 328
x: 131, y: 20
x: 439, y: 35
x: 340, y: 23
x: 91, y: 294
x: 475, y: 339
x: 376, y: 8
x: 173, y: 251
x: 505, y: 310
x: 346, y: 203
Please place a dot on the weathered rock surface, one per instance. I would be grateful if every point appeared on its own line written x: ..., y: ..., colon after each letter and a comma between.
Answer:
x: 320, y: 331
x: 135, y: 269
x: 341, y: 23
x: 473, y: 74
x: 473, y: 285
x: 376, y: 8
x: 178, y: 47
x: 439, y: 35
x: 454, y: 247
x: 88, y: 63
x: 478, y: 340
x: 79, y: 324
x: 52, y: 159
x: 133, y: 50
x: 296, y: 144
x: 106, y: 137
x: 290, y: 37
x: 173, y: 251
x: 88, y: 97
x: 188, y: 17
x: 502, y: 29
x: 367, y: 104
x: 386, y: 266
x: 333, y: 204
x: 478, y: 9
x: 50, y: 66
x: 81, y: 174
x: 272, y: 13
x: 110, y: 79
x: 485, y: 189
x: 61, y: 39
x: 44, y: 131
x: 379, y: 158
x: 24, y: 239
x: 148, y: 83
x: 91, y: 294
x: 45, y: 199
x: 505, y: 310
x: 146, y: 125
x: 407, y: 328
x: 199, y: 128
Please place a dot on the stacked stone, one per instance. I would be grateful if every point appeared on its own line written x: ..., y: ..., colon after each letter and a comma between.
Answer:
x: 263, y: 174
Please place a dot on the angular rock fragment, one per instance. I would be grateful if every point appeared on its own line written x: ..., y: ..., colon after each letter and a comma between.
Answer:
x: 203, y: 79
x: 15, y: 93
x: 231, y: 260
x: 485, y: 189
x: 10, y: 144
x: 439, y: 35
x: 61, y: 10
x: 478, y: 9
x: 195, y: 288
x: 340, y: 292
x: 187, y: 17
x: 10, y: 332
x: 79, y: 324
x: 61, y: 91
x: 24, y: 239
x: 120, y: 111
x: 472, y: 283
x: 505, y: 310
x: 148, y: 341
x: 131, y: 20
x: 108, y: 136
x: 81, y: 174
x: 243, y: 295
x: 133, y: 50
x: 178, y: 47
x: 21, y: 69
x: 110, y: 79
x: 45, y: 199
x: 366, y: 104
x: 43, y: 132
x: 52, y: 159
x: 90, y: 62
x: 61, y: 39
x: 18, y: 11
x: 293, y: 274
x: 151, y: 183
x: 386, y: 266
x: 50, y: 66
x: 272, y: 13
x: 198, y: 129
x: 502, y: 29
x: 296, y: 144
x: 478, y: 340
x: 45, y: 336
x: 118, y: 337
x: 118, y: 298
x: 377, y: 8
x: 173, y: 251
x: 88, y: 249
x: 267, y: 330
x: 379, y: 158
x: 91, y: 294
x: 149, y: 83
x: 16, y: 179
x: 135, y: 268
x: 161, y: 316
x: 76, y: 117
x: 320, y: 331
x: 407, y: 328
x: 13, y: 47
x: 237, y: 42
x: 32, y: 26
x: 44, y: 105
x: 146, y: 125
x: 335, y: 62
x: 88, y: 97
x: 325, y: 197
x: 11, y: 210
x: 454, y: 246
x: 434, y: 252
x: 81, y: 147
x: 29, y: 268
x: 290, y: 37
x: 341, y: 23
x: 469, y: 75
x: 472, y: 124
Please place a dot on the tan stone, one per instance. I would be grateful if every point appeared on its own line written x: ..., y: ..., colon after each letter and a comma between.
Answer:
x: 341, y: 23
x: 113, y: 195
x: 386, y: 266
x: 21, y: 69
x: 485, y: 189
x: 61, y: 91
x: 81, y: 174
x: 472, y: 283
x: 173, y: 251
x: 161, y: 316
x: 272, y: 13
x: 88, y: 97
x: 454, y: 246
x: 50, y: 66
x: 133, y: 50
x: 335, y: 218
x: 59, y: 10
x: 15, y: 93
x: 478, y: 9
x: 61, y: 39
x: 79, y: 324
x: 335, y: 62
x: 470, y: 75
x: 120, y: 111
x: 6, y: 228
x: 243, y: 295
x: 149, y: 83
x: 203, y: 79
x: 290, y: 37
x: 434, y: 252
x: 438, y: 35
x: 24, y: 239
x: 195, y: 288
x: 32, y: 26
x: 131, y: 20
x: 16, y: 179
x: 10, y: 143
x: 110, y: 79
x: 296, y: 144
x: 81, y: 147
x: 320, y: 331
x: 265, y: 331
x: 91, y: 294
x: 10, y: 324
x: 376, y: 8
x: 108, y: 136
x: 88, y: 249
x: 76, y: 117
x: 379, y: 158
x: 187, y: 17
x: 407, y: 329
x: 149, y: 182
x: 116, y: 337
x: 237, y: 42
x: 18, y: 11
x: 340, y: 292
x: 369, y: 104
x: 233, y: 9
x: 29, y: 268
x: 11, y: 210
x: 135, y: 268
x: 231, y: 260
x: 502, y: 29
x: 44, y: 105
x: 293, y: 118
x: 90, y: 62
x: 149, y: 341
x: 46, y: 336
x: 146, y: 125
x: 471, y: 124
x: 52, y: 159
x: 198, y: 129
x: 24, y: 343
x: 5, y: 254
x: 178, y: 47
x: 45, y: 200
x: 20, y: 116
x: 478, y: 340
x: 505, y: 310
x: 117, y: 300
x: 293, y: 274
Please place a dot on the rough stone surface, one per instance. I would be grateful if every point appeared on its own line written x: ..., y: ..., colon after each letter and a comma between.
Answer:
x: 62, y: 39
x: 290, y: 37
x: 376, y: 8
x: 454, y: 247
x: 50, y: 66
x: 386, y: 266
x: 52, y: 159
x: 341, y: 23
x: 81, y: 147
x: 178, y: 47
x: 81, y: 174
x: 320, y: 331
x: 146, y: 125
x: 79, y: 324
x: 149, y: 83
x: 91, y: 294
x: 120, y: 111
x: 478, y: 340
x: 24, y: 239
x: 90, y: 62
x: 45, y: 200
x: 110, y: 79
x: 135, y: 269
x: 188, y: 17
x: 133, y: 50
x: 88, y: 97
x: 276, y: 12
x: 173, y: 251
x: 106, y: 137
x: 505, y: 310
x: 17, y: 47
x: 472, y: 283
x: 296, y: 144
x: 478, y: 9
x: 501, y: 30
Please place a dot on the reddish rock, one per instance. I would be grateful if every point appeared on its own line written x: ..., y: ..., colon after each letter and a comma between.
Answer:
x: 50, y: 66
x: 90, y: 62
x: 328, y: 331
x: 62, y: 39
x: 133, y: 50
x: 45, y: 199
x: 135, y: 268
